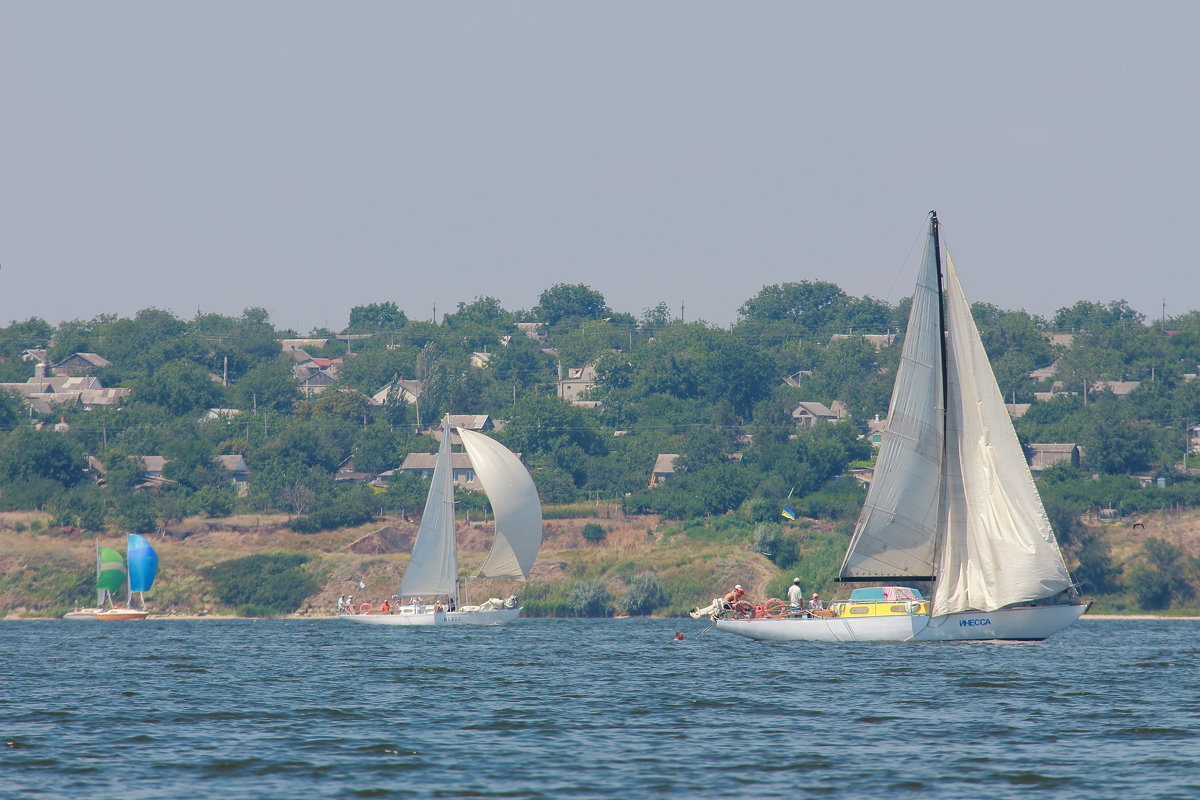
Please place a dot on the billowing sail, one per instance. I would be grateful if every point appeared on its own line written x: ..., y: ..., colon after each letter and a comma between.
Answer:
x: 143, y: 563
x: 434, y: 564
x: 514, y: 500
x: 997, y: 545
x: 111, y: 575
x: 895, y: 535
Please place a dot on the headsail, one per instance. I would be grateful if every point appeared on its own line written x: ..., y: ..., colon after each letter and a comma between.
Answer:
x: 997, y: 547
x: 514, y: 500
x: 433, y: 568
x: 895, y: 535
x: 143, y: 563
x: 111, y: 575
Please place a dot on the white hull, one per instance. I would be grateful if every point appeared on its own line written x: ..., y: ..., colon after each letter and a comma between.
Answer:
x: 430, y: 617
x: 1029, y: 623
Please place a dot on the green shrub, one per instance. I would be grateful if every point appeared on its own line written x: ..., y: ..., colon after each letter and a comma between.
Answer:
x: 590, y: 598
x: 267, y: 584
x: 593, y: 533
x: 643, y: 595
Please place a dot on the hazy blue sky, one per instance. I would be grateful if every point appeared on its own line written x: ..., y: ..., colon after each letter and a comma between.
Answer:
x: 308, y: 157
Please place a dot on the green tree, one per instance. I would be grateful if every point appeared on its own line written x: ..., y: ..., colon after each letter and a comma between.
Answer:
x: 179, y: 386
x: 375, y: 317
x: 563, y: 301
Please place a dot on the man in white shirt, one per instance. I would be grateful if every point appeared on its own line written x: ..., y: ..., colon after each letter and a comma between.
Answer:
x: 795, y: 595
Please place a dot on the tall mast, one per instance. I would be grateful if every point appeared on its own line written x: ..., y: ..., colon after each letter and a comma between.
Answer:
x: 934, y: 230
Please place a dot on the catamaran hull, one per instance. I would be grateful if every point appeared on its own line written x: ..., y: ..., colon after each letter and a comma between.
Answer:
x: 493, y: 617
x: 1021, y: 624
x: 111, y: 615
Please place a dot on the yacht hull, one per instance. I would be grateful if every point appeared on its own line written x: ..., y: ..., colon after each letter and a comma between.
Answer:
x: 430, y: 617
x: 1030, y: 623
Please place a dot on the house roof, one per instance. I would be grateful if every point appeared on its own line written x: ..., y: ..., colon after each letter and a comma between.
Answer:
x: 1119, y: 388
x: 91, y: 358
x: 235, y: 463
x: 665, y: 463
x: 813, y: 409
x: 427, y: 461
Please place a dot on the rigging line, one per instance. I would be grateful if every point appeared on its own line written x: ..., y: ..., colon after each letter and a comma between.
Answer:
x: 903, y: 264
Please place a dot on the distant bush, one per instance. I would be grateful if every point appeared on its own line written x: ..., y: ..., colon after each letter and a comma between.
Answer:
x: 593, y: 533
x: 263, y: 585
x: 590, y: 598
x: 643, y: 595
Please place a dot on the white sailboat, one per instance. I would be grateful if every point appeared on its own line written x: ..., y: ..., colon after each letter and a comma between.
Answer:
x: 432, y: 572
x: 952, y: 502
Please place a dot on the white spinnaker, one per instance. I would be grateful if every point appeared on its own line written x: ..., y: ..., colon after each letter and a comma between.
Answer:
x: 433, y: 568
x: 514, y: 500
x: 997, y: 547
x: 894, y: 537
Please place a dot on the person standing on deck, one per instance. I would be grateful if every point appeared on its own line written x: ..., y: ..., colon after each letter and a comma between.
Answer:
x: 795, y: 596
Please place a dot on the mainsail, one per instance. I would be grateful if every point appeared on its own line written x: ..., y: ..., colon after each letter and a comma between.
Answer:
x: 952, y: 499
x: 895, y: 535
x: 433, y: 568
x: 515, y: 502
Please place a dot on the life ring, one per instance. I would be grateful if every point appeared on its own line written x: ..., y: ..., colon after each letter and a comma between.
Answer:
x: 365, y: 608
x: 774, y: 607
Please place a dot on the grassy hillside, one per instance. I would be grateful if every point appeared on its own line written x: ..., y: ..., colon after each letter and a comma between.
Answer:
x: 674, y: 567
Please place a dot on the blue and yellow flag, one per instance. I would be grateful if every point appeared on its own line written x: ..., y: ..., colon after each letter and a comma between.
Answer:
x: 787, y: 512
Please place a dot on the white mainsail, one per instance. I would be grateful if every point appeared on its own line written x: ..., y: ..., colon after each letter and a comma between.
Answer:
x: 997, y: 546
x: 433, y: 568
x: 894, y: 537
x: 515, y: 502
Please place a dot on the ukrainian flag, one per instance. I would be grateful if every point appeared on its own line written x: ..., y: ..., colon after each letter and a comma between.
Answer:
x: 787, y: 512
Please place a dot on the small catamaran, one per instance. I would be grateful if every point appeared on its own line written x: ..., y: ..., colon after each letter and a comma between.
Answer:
x: 112, y: 574
x: 952, y: 503
x: 432, y: 571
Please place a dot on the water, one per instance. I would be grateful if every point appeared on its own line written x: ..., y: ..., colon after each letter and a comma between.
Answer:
x: 589, y: 709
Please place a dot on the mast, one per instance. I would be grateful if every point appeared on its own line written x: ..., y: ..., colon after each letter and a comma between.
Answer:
x: 935, y: 231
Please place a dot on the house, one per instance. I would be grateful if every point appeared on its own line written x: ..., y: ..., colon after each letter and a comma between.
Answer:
x: 664, y: 468
x: 1120, y: 389
x: 399, y: 390
x: 480, y: 360
x: 531, y: 329
x: 347, y: 472
x: 809, y: 414
x: 578, y: 381
x: 35, y: 355
x: 876, y: 340
x: 472, y: 422
x: 1017, y: 410
x: 43, y: 394
x: 220, y: 414
x: 312, y: 381
x: 1042, y: 456
x: 794, y: 380
x: 422, y: 464
x: 239, y: 471
x: 151, y: 469
x: 79, y: 364
x: 1045, y: 373
x: 875, y: 429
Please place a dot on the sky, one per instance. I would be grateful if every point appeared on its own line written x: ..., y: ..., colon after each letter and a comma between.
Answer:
x: 309, y: 157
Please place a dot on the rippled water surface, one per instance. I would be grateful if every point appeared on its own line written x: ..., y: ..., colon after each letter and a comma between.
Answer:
x: 589, y: 709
